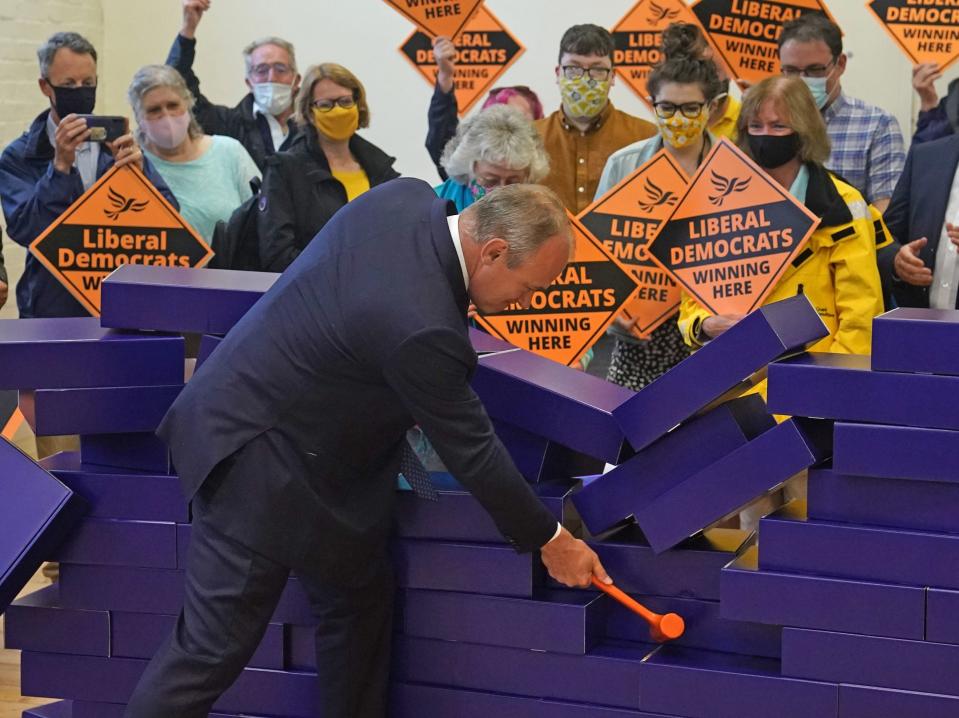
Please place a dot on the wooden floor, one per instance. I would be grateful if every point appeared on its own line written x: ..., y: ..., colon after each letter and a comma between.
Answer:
x: 11, y: 703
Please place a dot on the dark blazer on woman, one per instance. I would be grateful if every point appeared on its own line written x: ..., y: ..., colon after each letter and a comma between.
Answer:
x: 300, y: 195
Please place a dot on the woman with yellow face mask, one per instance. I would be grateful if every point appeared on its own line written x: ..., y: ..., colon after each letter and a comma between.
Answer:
x: 326, y: 167
x: 682, y: 91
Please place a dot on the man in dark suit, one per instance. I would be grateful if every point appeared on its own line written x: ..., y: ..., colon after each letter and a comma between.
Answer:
x: 290, y: 437
x: 924, y: 216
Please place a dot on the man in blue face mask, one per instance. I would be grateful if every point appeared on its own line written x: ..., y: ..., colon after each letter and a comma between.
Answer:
x: 867, y: 145
x: 263, y: 120
x: 54, y: 162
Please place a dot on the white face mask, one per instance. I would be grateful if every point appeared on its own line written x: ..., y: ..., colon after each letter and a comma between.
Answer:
x: 817, y: 86
x: 273, y: 98
x: 169, y: 131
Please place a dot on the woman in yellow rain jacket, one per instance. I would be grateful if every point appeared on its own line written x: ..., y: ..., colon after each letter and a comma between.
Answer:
x: 782, y: 130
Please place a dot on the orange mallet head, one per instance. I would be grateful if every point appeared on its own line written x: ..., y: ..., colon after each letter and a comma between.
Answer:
x: 662, y: 627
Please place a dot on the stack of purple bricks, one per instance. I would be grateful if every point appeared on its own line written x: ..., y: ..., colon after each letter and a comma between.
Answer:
x: 480, y: 629
x: 865, y: 576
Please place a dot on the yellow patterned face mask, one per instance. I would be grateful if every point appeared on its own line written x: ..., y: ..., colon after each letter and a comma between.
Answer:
x: 584, y: 96
x: 679, y: 130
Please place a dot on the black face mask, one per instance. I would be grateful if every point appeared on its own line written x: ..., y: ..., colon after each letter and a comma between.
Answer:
x: 74, y: 100
x: 772, y: 151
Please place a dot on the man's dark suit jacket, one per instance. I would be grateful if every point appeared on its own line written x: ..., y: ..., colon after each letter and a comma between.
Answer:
x: 291, y: 431
x: 918, y: 206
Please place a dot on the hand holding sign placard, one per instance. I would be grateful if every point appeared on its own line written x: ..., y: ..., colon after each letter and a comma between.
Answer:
x: 928, y: 33
x: 122, y: 219
x: 563, y: 322
x: 746, y: 32
x: 625, y: 219
x: 733, y: 234
x: 485, y: 49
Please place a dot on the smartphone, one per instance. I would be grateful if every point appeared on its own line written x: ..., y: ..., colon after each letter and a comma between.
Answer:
x: 105, y: 128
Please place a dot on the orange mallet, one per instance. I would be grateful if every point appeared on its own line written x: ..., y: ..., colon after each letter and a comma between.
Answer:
x: 662, y: 627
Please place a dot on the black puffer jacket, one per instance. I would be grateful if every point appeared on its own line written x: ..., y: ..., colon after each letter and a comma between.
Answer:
x: 300, y: 195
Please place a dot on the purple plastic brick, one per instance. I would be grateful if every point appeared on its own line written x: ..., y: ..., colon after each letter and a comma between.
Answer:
x: 690, y: 570
x: 897, y: 452
x: 793, y: 544
x: 470, y: 568
x: 60, y: 709
x: 98, y: 410
x: 880, y: 502
x: 138, y: 452
x: 65, y: 353
x: 561, y: 622
x: 734, y: 481
x: 720, y: 366
x: 705, y: 628
x: 113, y: 542
x: 868, y: 702
x: 139, y: 635
x: 112, y: 680
x: 409, y: 700
x: 484, y: 343
x: 608, y: 675
x: 706, y: 684
x: 638, y: 482
x: 539, y: 459
x: 173, y: 299
x: 208, y: 343
x: 83, y: 709
x: 942, y: 616
x: 830, y: 604
x: 842, y: 386
x: 870, y: 660
x: 457, y: 516
x: 120, y: 494
x: 38, y: 623
x: 37, y: 513
x: 557, y: 402
x: 916, y: 340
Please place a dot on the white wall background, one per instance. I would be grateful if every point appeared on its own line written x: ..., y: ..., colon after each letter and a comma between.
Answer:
x: 363, y: 35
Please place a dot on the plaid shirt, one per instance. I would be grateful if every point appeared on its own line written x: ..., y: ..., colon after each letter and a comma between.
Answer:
x: 867, y: 147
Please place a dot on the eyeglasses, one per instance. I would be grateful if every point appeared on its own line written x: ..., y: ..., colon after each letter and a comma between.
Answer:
x: 809, y: 71
x: 261, y: 72
x: 574, y: 72
x: 346, y: 102
x: 692, y: 110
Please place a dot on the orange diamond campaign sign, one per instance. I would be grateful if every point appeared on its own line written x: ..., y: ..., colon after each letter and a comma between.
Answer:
x: 437, y: 17
x: 733, y: 234
x: 122, y: 219
x: 564, y: 321
x: 926, y: 31
x: 638, y: 37
x: 746, y: 32
x: 625, y: 219
x: 484, y: 51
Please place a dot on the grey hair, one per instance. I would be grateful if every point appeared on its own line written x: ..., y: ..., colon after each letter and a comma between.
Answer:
x: 150, y: 77
x: 501, y: 135
x: 271, y: 40
x: 69, y: 40
x: 525, y: 216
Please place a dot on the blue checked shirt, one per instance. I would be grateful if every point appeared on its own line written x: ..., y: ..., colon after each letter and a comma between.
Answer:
x: 867, y: 147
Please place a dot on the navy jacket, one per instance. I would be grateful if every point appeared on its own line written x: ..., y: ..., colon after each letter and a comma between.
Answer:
x: 291, y: 432
x: 918, y: 206
x: 34, y: 195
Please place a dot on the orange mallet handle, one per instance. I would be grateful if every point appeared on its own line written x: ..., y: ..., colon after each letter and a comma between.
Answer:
x: 662, y: 627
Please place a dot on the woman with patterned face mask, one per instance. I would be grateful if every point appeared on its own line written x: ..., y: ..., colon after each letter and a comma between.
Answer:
x: 328, y: 165
x: 495, y: 147
x: 209, y: 175
x: 683, y: 91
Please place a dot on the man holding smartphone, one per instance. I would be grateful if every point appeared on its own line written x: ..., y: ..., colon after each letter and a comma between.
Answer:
x: 54, y: 162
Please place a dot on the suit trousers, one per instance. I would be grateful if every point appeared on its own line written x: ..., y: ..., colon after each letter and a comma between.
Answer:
x: 231, y: 594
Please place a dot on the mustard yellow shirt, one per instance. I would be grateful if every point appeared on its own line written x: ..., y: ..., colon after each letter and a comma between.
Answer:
x: 355, y: 183
x: 726, y: 125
